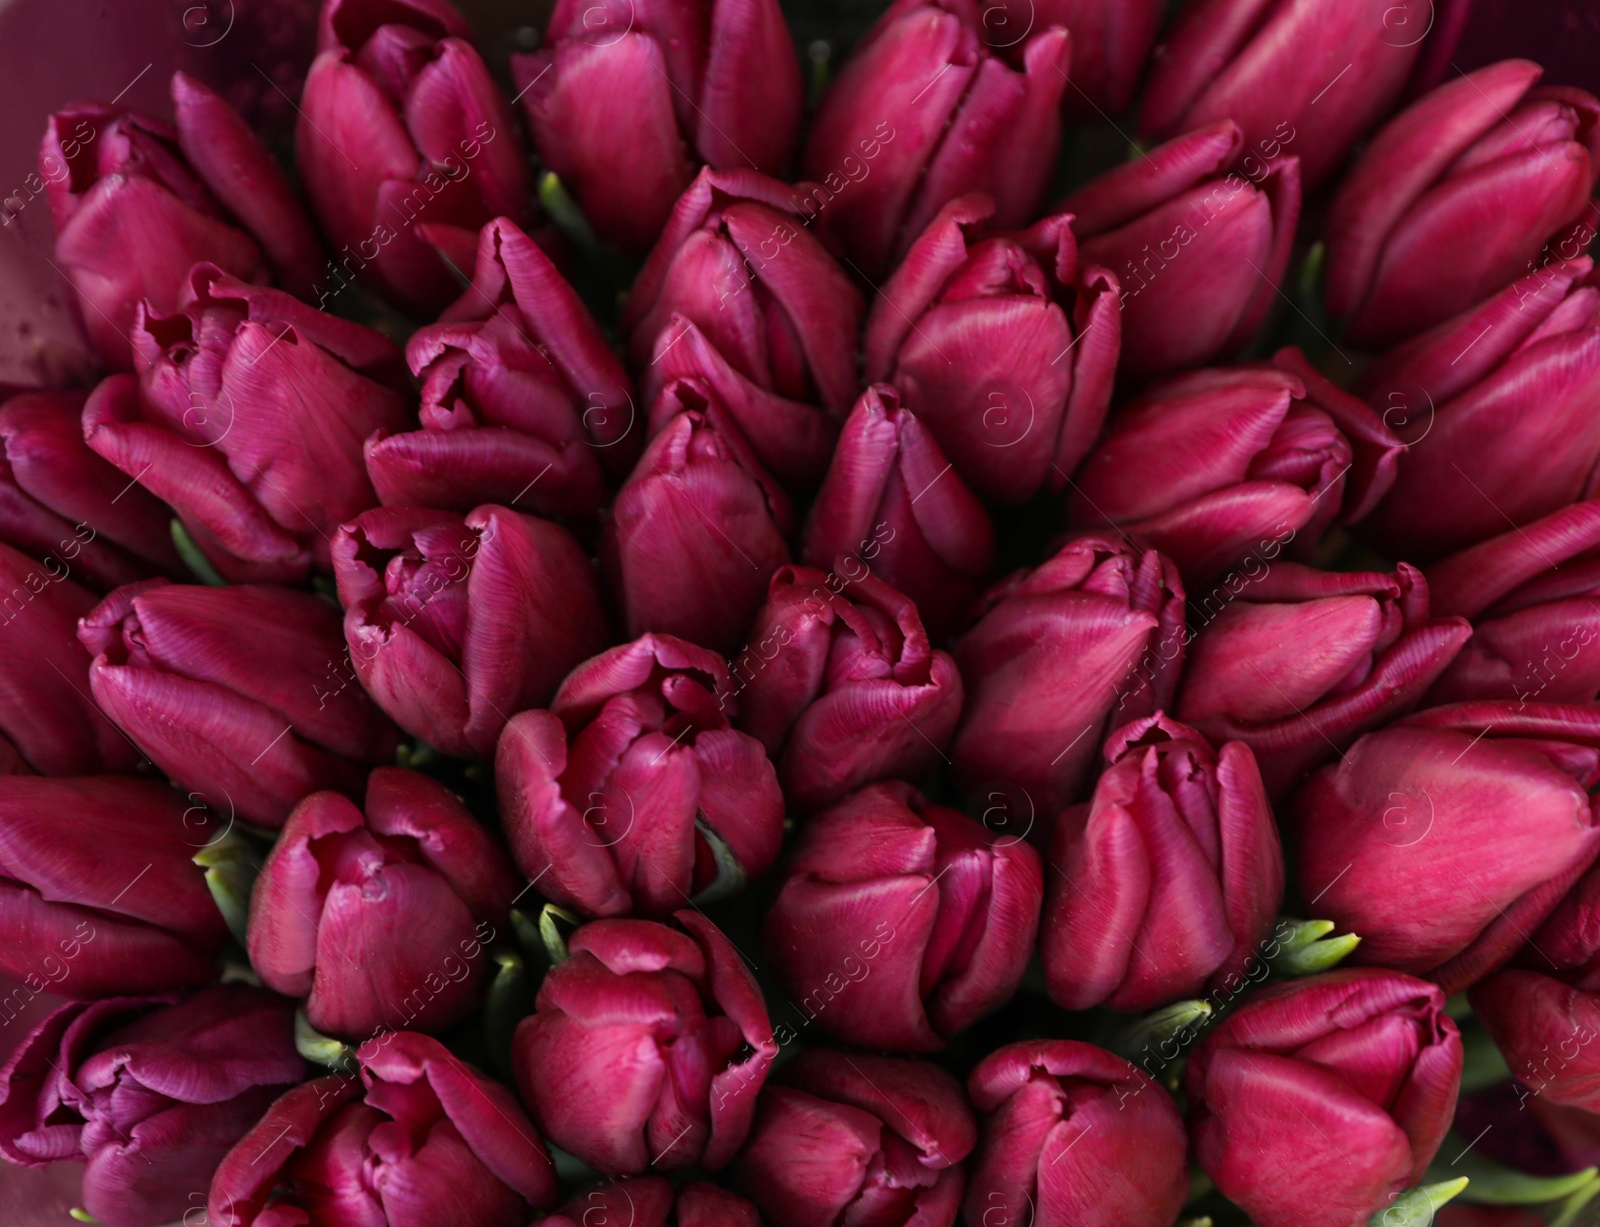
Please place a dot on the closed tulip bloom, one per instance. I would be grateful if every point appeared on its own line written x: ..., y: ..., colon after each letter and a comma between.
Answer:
x: 148, y: 1093
x: 1004, y: 345
x: 377, y: 916
x: 647, y: 1047
x: 1218, y: 465
x: 1533, y: 595
x: 649, y: 1201
x: 1091, y: 638
x: 697, y: 530
x: 1504, y: 429
x: 1038, y: 1100
x: 99, y: 890
x: 625, y: 101
x: 1456, y: 197
x: 401, y: 126
x: 421, y: 1137
x: 1446, y: 839
x: 931, y: 111
x: 633, y: 793
x: 891, y: 503
x: 842, y: 1138
x: 137, y: 202
x: 1197, y: 250
x: 1167, y: 880
x: 239, y: 693
x: 455, y: 624
x: 874, y: 954
x: 58, y: 499
x: 523, y: 403
x: 1297, y: 663
x: 1318, y: 1100
x: 1111, y: 40
x: 843, y: 686
x: 247, y: 419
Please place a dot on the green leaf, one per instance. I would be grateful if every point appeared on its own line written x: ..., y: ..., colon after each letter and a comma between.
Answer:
x: 1416, y: 1207
x: 1495, y: 1184
x: 322, y: 1049
x: 231, y: 866
x: 510, y: 1000
x: 1173, y: 1027
x: 197, y: 562
x: 1306, y: 949
x: 555, y: 942
x: 730, y: 874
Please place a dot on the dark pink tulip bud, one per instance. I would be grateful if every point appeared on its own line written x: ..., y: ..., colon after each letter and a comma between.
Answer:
x: 648, y: 1201
x: 843, y: 686
x: 1324, y: 71
x: 1215, y: 466
x: 1533, y: 595
x: 1446, y: 839
x: 1003, y: 344
x: 1086, y: 641
x: 925, y: 110
x: 844, y: 1137
x: 455, y: 624
x: 634, y: 793
x: 99, y: 890
x: 138, y: 202
x: 148, y: 1093
x: 1500, y: 407
x: 248, y: 418
x: 378, y: 917
x: 1197, y: 250
x: 239, y: 693
x: 933, y: 961
x: 422, y: 1137
x: 626, y: 100
x: 647, y: 1048
x: 1297, y: 663
x: 891, y: 504
x: 1038, y: 1100
x: 523, y: 403
x: 401, y: 127
x: 1319, y: 1099
x: 1111, y: 40
x: 1167, y: 880
x: 59, y: 500
x: 697, y: 530
x: 1485, y: 155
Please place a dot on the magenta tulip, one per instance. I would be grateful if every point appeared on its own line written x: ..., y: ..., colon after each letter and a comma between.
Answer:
x: 649, y: 1201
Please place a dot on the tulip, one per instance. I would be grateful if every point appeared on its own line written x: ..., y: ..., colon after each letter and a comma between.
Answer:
x: 1501, y: 408
x: 1111, y: 40
x: 1168, y: 880
x: 401, y: 127
x: 626, y: 100
x: 1534, y: 596
x: 422, y: 1137
x: 647, y: 1047
x: 247, y: 418
x: 1210, y: 245
x: 1446, y: 839
x: 1212, y: 466
x: 98, y: 890
x: 891, y: 503
x: 925, y: 111
x: 48, y: 723
x: 633, y: 793
x: 239, y: 693
x: 1486, y: 156
x: 1088, y: 640
x: 1319, y: 1100
x: 454, y: 624
x: 850, y: 691
x: 1039, y: 1099
x: 847, y: 1138
x: 58, y: 499
x: 697, y: 530
x: 137, y: 202
x: 369, y: 912
x: 148, y: 1093
x: 1328, y: 70
x: 648, y: 1201
x: 1297, y: 663
x: 522, y: 401
x: 973, y: 327
x: 935, y: 961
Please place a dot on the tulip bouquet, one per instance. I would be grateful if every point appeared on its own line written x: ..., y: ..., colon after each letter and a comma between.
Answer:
x: 996, y: 624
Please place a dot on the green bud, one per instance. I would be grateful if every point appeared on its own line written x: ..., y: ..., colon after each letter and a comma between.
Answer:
x: 1307, y: 949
